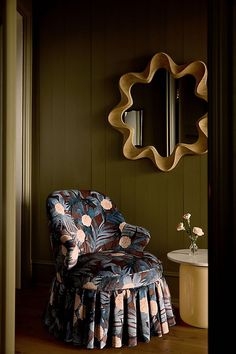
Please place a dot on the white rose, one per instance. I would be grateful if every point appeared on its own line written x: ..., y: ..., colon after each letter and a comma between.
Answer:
x: 180, y: 227
x: 187, y: 216
x: 198, y: 231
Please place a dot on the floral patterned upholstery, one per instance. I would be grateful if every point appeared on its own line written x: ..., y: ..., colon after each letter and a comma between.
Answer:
x: 107, y: 289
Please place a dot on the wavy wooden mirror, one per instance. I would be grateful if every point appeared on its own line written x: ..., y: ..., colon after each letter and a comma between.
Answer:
x: 177, y: 126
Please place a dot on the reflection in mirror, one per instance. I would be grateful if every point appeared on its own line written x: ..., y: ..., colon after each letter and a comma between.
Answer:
x: 134, y: 119
x: 170, y: 110
x: 190, y: 109
x: 178, y: 92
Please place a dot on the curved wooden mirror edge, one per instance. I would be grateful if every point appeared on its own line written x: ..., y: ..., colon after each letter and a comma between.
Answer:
x: 197, y: 69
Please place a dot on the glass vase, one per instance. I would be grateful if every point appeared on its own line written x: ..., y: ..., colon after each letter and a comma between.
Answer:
x: 193, y: 248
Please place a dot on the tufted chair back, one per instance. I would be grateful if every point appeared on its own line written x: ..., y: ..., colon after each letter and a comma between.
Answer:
x: 84, y: 221
x: 81, y: 221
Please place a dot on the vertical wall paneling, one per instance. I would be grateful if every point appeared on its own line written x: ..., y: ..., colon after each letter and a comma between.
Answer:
x: 19, y: 147
x: 81, y: 51
x: 8, y: 178
x: 175, y: 195
x: 77, y: 77
x: 98, y: 96
x: 203, y: 221
x: 25, y: 8
x: 1, y: 165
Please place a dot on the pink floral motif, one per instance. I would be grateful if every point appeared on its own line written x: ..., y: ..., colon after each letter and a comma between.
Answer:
x: 51, y: 298
x: 127, y: 293
x: 78, y: 305
x: 116, y: 342
x: 90, y: 285
x: 128, y: 285
x: 121, y: 226
x: 86, y: 220
x: 119, y: 301
x: 99, y: 332
x: 77, y: 301
x: 106, y: 204
x: 59, y: 277
x: 74, y: 319
x: 73, y: 257
x: 80, y: 235
x: 59, y: 208
x: 153, y: 307
x: 165, y: 328
x: 125, y: 241
x: 143, y: 305
x: 82, y: 312
x: 65, y: 238
x: 166, y: 291
x: 63, y: 250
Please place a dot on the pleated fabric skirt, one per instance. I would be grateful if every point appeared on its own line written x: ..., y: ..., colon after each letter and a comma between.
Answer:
x: 95, y: 319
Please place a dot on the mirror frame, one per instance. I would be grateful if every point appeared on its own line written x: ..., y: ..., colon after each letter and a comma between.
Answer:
x: 160, y: 60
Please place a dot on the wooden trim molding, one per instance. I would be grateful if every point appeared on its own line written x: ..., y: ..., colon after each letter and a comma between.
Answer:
x: 222, y: 167
x: 168, y: 273
x: 26, y: 264
x: 160, y: 61
x: 8, y: 232
x: 1, y: 177
x: 43, y: 271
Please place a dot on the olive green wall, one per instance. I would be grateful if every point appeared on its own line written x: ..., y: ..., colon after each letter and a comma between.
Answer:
x: 81, y: 48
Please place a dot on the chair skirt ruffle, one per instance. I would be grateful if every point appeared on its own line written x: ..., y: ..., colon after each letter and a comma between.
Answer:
x: 95, y: 319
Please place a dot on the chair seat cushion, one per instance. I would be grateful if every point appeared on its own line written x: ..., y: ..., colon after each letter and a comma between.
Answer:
x: 111, y: 270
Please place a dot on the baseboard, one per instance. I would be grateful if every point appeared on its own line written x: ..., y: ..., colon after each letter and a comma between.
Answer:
x: 171, y: 274
x: 175, y: 302
x: 172, y: 279
x: 42, y: 271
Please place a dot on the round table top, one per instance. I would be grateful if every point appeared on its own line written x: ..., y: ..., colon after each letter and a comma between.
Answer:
x: 200, y: 259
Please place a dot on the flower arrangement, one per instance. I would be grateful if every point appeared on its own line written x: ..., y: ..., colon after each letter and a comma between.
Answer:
x: 193, y: 233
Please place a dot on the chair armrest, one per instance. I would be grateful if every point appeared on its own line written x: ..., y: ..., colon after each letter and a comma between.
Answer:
x: 133, y: 238
x: 65, y: 236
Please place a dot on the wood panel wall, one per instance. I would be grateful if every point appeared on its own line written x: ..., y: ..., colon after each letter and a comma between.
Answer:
x: 81, y: 48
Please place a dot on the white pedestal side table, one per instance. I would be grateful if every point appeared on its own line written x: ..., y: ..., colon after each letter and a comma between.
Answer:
x: 193, y: 286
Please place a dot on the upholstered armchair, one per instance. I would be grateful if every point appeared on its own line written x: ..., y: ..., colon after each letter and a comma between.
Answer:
x: 107, y: 290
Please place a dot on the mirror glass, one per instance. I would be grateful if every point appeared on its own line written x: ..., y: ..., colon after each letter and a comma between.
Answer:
x: 167, y: 103
x: 170, y: 110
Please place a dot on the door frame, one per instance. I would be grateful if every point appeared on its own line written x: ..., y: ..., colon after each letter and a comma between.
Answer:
x: 26, y: 207
x: 7, y: 159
